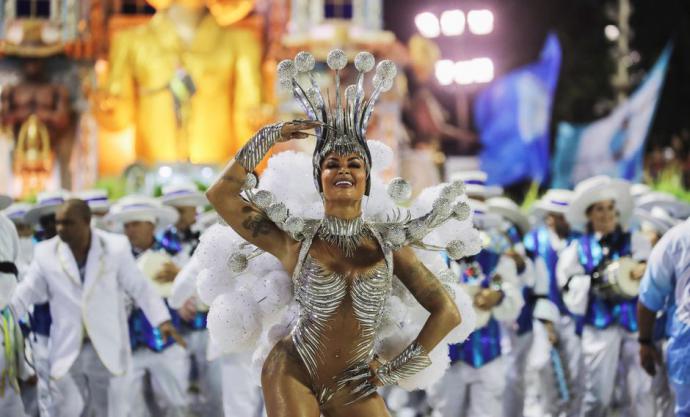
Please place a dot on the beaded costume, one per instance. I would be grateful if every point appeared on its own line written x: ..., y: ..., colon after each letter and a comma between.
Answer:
x: 261, y: 304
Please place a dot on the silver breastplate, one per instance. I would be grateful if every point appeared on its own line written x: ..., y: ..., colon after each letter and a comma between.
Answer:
x: 320, y: 293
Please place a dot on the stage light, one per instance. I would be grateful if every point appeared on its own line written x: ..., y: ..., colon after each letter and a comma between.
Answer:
x: 481, y: 22
x: 464, y: 72
x: 427, y: 24
x: 445, y: 71
x: 483, y: 69
x: 165, y: 171
x: 612, y: 32
x: 452, y: 22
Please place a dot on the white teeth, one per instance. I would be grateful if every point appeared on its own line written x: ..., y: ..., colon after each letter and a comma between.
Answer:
x: 347, y: 183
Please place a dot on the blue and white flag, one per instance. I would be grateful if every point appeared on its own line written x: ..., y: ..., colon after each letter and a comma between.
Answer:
x: 613, y: 145
x: 513, y: 115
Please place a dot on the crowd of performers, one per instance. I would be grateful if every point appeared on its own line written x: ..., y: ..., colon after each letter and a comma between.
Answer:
x: 582, y: 308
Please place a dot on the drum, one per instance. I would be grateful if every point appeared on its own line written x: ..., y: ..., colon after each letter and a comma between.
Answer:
x: 616, y: 280
x: 150, y: 263
x: 483, y: 316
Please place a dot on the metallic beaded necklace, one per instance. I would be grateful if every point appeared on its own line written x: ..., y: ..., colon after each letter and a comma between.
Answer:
x: 346, y: 234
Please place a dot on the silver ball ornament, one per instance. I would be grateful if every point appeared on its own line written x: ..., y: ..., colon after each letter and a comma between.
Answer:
x: 263, y: 199
x: 277, y: 212
x: 364, y: 61
x: 455, y: 249
x: 237, y: 262
x: 443, y: 207
x: 294, y: 225
x: 399, y: 189
x: 382, y: 83
x: 386, y: 70
x: 304, y: 61
x: 461, y: 211
x: 336, y: 59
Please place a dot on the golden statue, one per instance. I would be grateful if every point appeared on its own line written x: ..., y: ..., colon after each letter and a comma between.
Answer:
x: 33, y: 159
x: 186, y: 84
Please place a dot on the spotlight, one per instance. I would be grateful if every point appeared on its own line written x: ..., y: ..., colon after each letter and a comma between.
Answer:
x: 481, y: 22
x: 483, y: 69
x: 445, y: 71
x: 612, y: 32
x: 427, y: 24
x: 452, y: 22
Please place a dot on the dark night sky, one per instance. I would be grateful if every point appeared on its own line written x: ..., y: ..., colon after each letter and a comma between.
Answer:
x: 520, y: 29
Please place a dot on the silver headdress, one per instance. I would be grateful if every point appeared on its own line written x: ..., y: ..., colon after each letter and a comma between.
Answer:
x: 344, y: 126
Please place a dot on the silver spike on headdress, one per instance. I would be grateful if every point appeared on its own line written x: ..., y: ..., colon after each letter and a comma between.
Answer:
x: 344, y: 124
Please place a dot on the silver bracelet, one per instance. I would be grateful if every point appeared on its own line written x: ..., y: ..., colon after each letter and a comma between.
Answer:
x: 410, y: 361
x: 258, y: 146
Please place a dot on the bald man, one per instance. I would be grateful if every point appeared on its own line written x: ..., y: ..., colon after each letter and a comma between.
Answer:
x: 84, y: 273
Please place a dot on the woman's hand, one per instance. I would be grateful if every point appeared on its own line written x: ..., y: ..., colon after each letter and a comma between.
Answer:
x: 295, y: 129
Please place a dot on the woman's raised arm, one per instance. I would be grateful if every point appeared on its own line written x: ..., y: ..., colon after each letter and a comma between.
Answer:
x: 247, y: 220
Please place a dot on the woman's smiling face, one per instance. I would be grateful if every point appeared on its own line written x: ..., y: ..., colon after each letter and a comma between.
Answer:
x: 343, y: 177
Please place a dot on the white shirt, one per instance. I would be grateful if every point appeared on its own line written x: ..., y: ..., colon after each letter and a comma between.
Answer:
x: 95, y: 306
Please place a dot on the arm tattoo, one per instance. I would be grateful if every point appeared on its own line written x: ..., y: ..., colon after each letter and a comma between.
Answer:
x: 257, y: 223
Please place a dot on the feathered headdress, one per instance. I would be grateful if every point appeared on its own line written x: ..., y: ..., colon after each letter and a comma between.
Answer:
x: 344, y: 126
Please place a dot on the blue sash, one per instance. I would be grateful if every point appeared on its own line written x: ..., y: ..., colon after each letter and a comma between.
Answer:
x: 143, y: 334
x: 601, y: 313
x: 484, y: 344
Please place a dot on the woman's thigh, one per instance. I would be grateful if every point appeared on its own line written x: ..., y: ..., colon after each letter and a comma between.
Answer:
x: 372, y: 406
x: 286, y: 384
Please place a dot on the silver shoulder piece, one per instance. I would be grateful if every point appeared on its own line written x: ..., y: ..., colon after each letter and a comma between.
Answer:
x: 401, y: 229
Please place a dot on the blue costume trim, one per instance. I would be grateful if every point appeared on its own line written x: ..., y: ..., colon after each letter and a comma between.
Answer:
x: 602, y: 313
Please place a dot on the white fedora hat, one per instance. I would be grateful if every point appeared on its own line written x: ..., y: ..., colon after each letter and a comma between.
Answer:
x: 46, y: 203
x: 140, y: 208
x: 676, y: 208
x: 553, y: 201
x: 205, y: 220
x: 657, y: 219
x: 475, y: 184
x: 594, y: 190
x: 482, y: 217
x: 17, y: 212
x: 5, y: 201
x: 509, y: 210
x: 639, y: 190
x: 183, y: 195
x: 97, y: 199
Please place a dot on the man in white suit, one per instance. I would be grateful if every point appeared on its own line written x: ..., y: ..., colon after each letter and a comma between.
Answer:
x: 83, y: 273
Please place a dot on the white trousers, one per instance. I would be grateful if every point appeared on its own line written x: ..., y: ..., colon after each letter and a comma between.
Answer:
x: 241, y: 396
x: 469, y: 392
x: 611, y: 359
x: 11, y: 404
x: 41, y: 361
x: 168, y: 373
x: 516, y: 366
x: 570, y: 349
x: 209, y: 402
x: 86, y: 390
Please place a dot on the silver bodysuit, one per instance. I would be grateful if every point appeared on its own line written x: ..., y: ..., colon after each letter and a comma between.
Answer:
x: 320, y: 294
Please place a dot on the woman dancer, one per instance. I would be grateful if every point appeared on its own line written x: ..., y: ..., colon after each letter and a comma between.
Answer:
x: 342, y: 266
